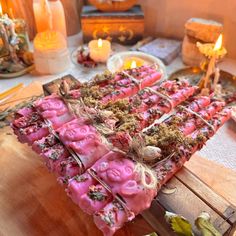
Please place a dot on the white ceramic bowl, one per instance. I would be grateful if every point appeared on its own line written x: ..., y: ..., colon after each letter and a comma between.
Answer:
x: 115, y: 62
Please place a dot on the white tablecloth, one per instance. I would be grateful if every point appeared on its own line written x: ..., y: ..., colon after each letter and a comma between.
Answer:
x: 221, y: 148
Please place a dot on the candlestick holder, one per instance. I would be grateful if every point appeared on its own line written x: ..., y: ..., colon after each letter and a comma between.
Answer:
x: 212, y: 53
x: 227, y: 82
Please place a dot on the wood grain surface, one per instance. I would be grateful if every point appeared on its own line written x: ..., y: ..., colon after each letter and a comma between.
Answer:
x: 33, y: 203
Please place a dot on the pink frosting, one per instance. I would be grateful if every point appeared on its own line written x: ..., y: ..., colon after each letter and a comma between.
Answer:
x: 53, y: 156
x: 118, y: 172
x: 78, y: 186
x: 95, y: 199
x: 67, y: 169
x: 84, y: 140
x: 110, y: 219
x: 53, y: 109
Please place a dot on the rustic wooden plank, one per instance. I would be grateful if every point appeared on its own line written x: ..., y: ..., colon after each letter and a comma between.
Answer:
x: 206, y: 194
x: 187, y: 204
x: 155, y: 217
x: 221, y: 179
x: 33, y: 203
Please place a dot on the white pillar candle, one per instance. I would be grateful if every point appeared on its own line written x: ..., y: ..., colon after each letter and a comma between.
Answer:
x: 99, y: 50
x: 51, y: 55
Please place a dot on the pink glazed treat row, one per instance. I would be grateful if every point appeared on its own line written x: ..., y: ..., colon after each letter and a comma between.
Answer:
x: 118, y: 172
x: 112, y: 216
x: 82, y: 138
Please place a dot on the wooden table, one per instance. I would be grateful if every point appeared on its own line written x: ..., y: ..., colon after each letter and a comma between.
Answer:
x: 33, y: 203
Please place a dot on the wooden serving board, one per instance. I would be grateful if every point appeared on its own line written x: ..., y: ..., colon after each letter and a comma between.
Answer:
x: 33, y: 203
x: 191, y: 197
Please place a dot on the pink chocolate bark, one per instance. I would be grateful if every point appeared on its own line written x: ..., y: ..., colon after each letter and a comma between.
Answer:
x: 128, y: 87
x: 111, y: 218
x: 53, y: 109
x: 79, y: 137
x: 84, y: 140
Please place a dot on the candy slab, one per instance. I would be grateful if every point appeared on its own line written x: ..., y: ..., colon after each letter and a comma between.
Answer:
x: 101, y: 137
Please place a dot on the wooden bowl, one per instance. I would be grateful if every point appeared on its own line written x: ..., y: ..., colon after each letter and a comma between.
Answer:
x: 113, y: 5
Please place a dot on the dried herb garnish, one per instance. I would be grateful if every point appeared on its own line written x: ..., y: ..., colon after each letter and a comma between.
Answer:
x: 80, y: 178
x: 169, y: 139
x: 121, y: 110
x: 7, y: 114
x: 95, y: 194
x: 102, y: 78
x: 108, y: 218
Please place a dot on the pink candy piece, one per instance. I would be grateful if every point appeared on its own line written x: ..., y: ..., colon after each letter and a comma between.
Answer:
x: 110, y: 219
x: 84, y: 140
x: 25, y: 111
x: 78, y: 186
x: 129, y: 88
x: 53, y: 109
x: 119, y: 173
x: 206, y: 114
x: 198, y: 103
x: 54, y: 155
x: 95, y: 199
x: 163, y: 106
x: 31, y: 133
x: 26, y: 121
x: 44, y: 144
x: 66, y: 169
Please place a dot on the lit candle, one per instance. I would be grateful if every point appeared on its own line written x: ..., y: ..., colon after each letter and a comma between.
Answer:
x: 133, y: 65
x: 213, y: 52
x: 51, y: 55
x: 132, y: 62
x: 99, y: 50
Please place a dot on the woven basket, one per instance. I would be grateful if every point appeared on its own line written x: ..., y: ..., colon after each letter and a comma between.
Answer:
x: 113, y: 5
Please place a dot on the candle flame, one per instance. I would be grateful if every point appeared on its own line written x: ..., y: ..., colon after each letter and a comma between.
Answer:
x: 133, y: 64
x: 1, y: 9
x: 99, y: 43
x: 218, y: 43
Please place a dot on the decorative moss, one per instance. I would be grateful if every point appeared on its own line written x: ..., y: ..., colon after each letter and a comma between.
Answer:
x: 168, y: 138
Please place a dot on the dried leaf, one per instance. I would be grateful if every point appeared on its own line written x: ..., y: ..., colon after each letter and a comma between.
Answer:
x: 205, y: 226
x: 5, y: 115
x: 179, y: 224
x: 151, y: 234
x: 168, y: 190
